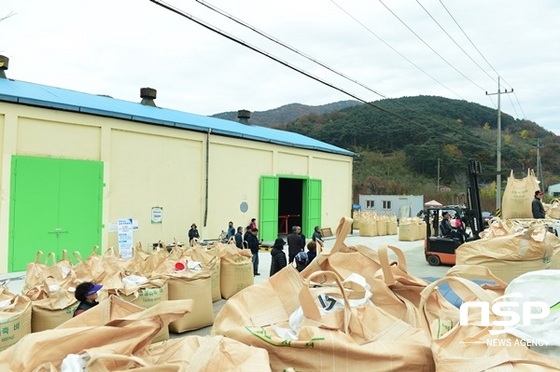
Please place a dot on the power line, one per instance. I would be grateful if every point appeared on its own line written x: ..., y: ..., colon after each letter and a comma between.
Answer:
x: 286, y: 64
x: 268, y: 55
x: 455, y: 42
x: 393, y: 49
x: 283, y: 44
x: 432, y: 49
x: 277, y: 41
x: 480, y: 53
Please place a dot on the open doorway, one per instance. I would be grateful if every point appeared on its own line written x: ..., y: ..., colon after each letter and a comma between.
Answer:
x: 289, y: 201
x: 290, y: 204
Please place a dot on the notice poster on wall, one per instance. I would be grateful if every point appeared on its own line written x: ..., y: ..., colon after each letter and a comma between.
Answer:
x: 124, y: 231
x: 157, y: 215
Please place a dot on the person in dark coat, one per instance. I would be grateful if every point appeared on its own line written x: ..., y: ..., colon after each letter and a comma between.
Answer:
x: 317, y: 234
x: 294, y: 244
x: 536, y: 206
x: 248, y: 231
x: 86, y: 293
x: 311, y: 251
x: 278, y: 261
x: 193, y: 234
x: 239, y: 237
x: 253, y: 243
x: 301, y: 261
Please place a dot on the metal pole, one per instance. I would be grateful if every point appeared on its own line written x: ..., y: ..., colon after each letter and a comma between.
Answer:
x: 499, y: 149
x: 499, y: 154
x: 438, y: 174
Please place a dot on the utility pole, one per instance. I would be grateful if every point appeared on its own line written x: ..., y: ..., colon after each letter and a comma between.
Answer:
x: 539, y: 167
x: 437, y: 174
x: 499, y: 150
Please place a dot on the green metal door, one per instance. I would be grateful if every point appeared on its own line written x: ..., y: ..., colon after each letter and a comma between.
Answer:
x: 55, y: 204
x: 269, y: 208
x: 312, y: 197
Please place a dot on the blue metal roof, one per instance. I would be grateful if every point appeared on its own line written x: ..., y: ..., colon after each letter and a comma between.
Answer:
x: 63, y: 99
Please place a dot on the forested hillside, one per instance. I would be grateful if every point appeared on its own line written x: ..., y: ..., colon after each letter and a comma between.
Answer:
x: 400, y: 141
x: 287, y: 113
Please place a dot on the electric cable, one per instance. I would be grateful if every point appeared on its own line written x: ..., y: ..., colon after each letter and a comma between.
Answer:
x: 432, y: 49
x: 283, y: 44
x: 482, y: 55
x: 297, y: 69
x: 455, y: 42
x: 277, y: 41
x: 268, y: 55
x: 393, y: 49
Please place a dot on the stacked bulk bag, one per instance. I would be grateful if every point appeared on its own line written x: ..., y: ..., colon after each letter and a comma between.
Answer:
x: 53, y: 304
x: 15, y: 317
x: 187, y: 279
x: 381, y: 222
x: 514, y: 252
x: 118, y: 339
x: 283, y: 316
x: 392, y: 225
x: 209, y: 257
x: 475, y: 346
x: 553, y: 210
x: 408, y: 230
x: 236, y: 269
x: 356, y: 216
x: 50, y: 287
x: 421, y: 226
x: 368, y: 224
x: 518, y: 195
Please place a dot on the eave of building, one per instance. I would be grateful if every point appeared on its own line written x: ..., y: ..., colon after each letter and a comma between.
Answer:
x: 25, y: 93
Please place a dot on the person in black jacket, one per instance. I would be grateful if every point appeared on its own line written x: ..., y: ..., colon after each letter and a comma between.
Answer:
x: 86, y: 293
x: 312, y: 251
x: 253, y: 244
x: 537, y: 206
x: 193, y: 234
x: 295, y: 243
x: 278, y: 261
x: 239, y: 237
x: 248, y: 230
x: 317, y: 234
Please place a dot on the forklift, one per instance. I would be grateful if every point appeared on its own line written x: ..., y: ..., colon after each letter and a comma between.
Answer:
x: 440, y: 249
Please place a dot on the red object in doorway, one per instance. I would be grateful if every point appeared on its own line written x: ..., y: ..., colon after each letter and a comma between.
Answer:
x: 284, y: 224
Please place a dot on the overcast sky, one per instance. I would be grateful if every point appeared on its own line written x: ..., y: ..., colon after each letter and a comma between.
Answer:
x: 116, y: 47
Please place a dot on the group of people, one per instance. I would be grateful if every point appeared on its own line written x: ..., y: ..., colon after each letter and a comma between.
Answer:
x: 249, y: 239
x: 453, y: 227
x: 296, y: 250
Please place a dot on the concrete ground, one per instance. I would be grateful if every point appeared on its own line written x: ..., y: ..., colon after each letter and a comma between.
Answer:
x: 414, y: 252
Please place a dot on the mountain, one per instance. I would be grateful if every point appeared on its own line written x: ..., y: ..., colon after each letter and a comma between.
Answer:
x: 287, y: 113
x: 402, y: 143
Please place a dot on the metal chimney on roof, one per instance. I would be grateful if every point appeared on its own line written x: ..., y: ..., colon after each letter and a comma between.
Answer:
x: 244, y: 116
x: 148, y: 96
x: 4, y: 61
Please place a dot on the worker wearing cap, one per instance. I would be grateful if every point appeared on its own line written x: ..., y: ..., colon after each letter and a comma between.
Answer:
x: 537, y: 206
x: 86, y: 293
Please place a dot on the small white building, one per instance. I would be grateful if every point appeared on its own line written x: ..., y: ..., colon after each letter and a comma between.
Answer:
x: 554, y: 190
x: 401, y: 206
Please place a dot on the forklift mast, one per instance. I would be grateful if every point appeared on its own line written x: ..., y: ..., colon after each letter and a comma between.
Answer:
x: 474, y: 212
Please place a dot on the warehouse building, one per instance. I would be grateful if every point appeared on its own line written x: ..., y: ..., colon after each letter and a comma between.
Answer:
x: 79, y: 169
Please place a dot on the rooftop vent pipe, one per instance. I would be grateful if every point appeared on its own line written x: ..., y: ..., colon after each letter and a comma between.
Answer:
x: 244, y: 116
x: 148, y: 96
x: 4, y: 61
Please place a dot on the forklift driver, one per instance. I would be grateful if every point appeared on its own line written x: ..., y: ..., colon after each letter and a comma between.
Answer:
x: 447, y: 231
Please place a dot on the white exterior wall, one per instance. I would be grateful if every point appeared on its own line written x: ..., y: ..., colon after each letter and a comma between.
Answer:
x: 413, y: 203
x: 150, y: 165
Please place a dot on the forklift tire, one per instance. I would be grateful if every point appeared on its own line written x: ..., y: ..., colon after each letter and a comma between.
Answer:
x: 434, y: 260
